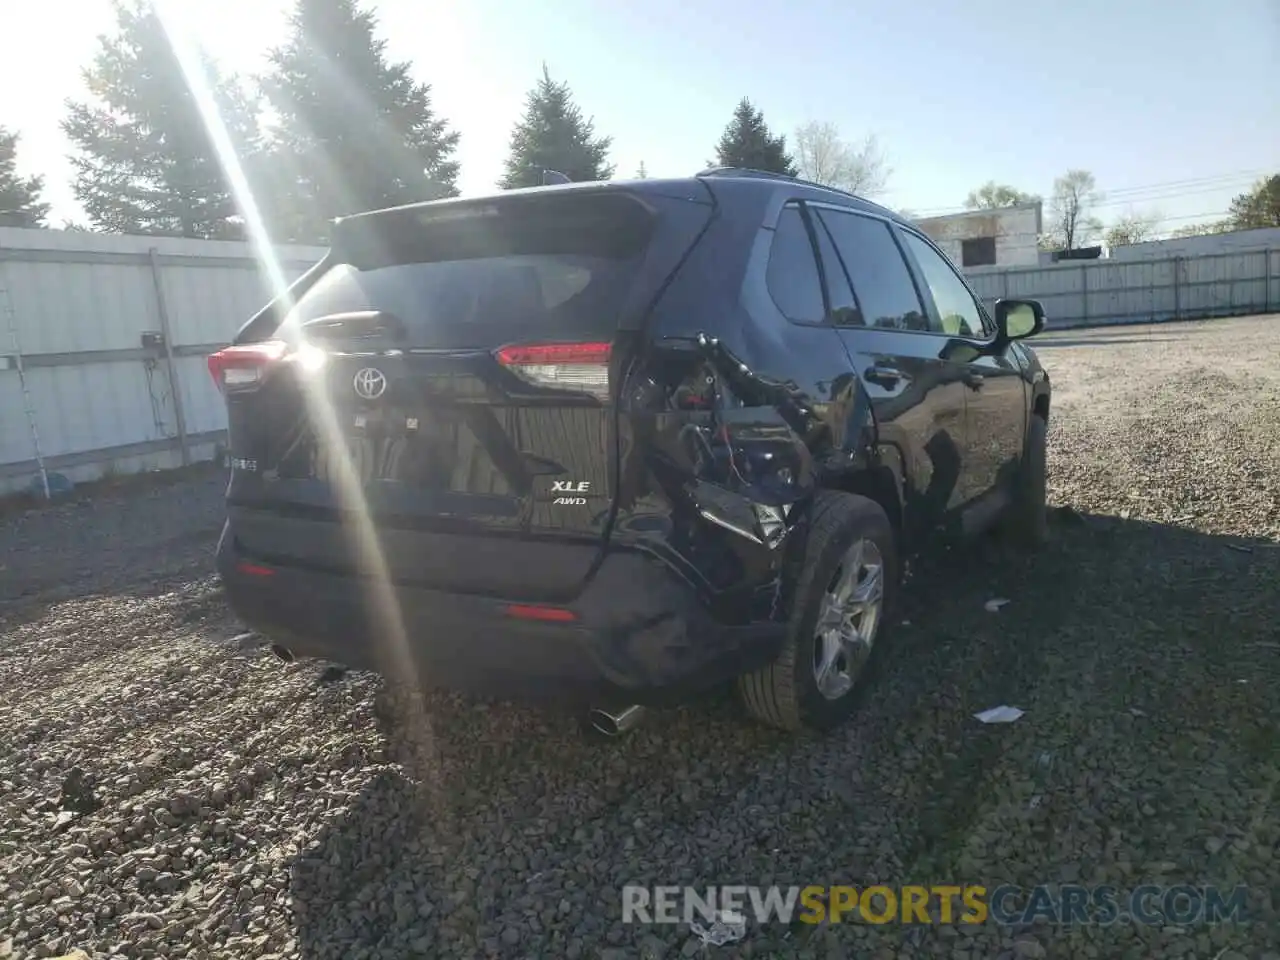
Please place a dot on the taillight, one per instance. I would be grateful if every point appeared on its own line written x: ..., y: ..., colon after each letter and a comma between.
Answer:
x: 244, y: 365
x: 580, y: 367
x: 522, y: 611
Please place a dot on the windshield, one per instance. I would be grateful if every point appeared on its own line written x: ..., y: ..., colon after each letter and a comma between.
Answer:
x: 456, y: 302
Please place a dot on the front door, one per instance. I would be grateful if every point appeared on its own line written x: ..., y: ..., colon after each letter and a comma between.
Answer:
x: 995, y: 398
x: 916, y: 391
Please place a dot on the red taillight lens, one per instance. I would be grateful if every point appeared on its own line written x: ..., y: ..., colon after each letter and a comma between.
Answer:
x: 521, y: 611
x: 580, y: 367
x: 244, y: 365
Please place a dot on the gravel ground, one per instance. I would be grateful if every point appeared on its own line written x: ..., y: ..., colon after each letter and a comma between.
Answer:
x: 168, y: 789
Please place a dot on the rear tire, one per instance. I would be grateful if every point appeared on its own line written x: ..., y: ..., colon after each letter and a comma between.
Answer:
x: 831, y: 642
x: 1028, y: 520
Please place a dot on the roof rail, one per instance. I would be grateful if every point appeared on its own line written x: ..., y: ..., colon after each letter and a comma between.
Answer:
x: 769, y: 175
x: 742, y: 172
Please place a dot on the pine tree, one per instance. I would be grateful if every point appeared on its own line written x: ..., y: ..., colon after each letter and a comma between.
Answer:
x: 1260, y: 207
x: 356, y: 131
x: 20, y: 204
x: 553, y: 135
x: 641, y: 172
x: 746, y: 142
x: 145, y: 161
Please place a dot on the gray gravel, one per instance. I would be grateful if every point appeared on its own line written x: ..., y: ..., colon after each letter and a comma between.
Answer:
x: 167, y: 789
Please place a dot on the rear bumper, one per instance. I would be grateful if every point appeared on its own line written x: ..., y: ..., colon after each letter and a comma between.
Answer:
x: 640, y: 634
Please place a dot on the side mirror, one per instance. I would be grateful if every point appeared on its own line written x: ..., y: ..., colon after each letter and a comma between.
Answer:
x: 1018, y: 319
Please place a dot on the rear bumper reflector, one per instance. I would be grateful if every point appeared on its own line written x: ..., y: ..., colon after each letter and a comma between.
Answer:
x: 521, y: 611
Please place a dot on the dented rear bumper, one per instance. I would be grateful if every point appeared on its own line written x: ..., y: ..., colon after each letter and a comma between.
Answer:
x: 637, y: 632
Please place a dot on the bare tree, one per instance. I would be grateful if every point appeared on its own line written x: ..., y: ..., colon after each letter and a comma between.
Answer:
x: 992, y: 196
x: 1202, y: 229
x: 1071, y: 220
x: 1133, y: 228
x: 824, y: 157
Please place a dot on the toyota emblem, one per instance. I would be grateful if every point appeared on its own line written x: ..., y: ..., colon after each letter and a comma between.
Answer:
x: 370, y: 383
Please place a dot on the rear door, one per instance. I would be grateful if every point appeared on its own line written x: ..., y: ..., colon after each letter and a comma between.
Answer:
x: 916, y: 390
x: 448, y: 388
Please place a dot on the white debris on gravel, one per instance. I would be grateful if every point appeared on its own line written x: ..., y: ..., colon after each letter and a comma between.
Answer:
x: 1001, y: 714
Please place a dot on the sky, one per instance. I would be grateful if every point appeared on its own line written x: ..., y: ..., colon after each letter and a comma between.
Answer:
x: 1174, y: 107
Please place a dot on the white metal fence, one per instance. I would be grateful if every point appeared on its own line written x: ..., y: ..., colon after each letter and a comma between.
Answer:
x: 108, y: 335
x: 77, y: 312
x: 1079, y: 293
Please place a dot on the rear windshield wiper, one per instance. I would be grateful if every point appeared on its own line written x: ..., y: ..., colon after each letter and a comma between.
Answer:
x: 357, y: 325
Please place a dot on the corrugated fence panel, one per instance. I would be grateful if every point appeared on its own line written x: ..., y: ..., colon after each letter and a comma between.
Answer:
x: 87, y: 407
x: 1235, y: 283
x: 1139, y: 291
x: 989, y: 286
x: 1129, y: 292
x: 82, y: 303
x: 1272, y: 264
x: 209, y: 304
x: 69, y: 307
x: 15, y: 436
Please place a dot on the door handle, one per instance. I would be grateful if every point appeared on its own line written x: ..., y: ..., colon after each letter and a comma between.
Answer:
x: 974, y: 381
x: 887, y: 377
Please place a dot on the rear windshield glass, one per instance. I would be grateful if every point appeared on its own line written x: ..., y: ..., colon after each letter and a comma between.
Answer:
x: 482, y: 281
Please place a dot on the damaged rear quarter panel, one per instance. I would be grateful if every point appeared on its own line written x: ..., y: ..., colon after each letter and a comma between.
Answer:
x: 715, y: 489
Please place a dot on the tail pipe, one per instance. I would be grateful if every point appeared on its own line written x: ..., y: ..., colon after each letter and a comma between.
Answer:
x: 283, y: 654
x: 613, y: 723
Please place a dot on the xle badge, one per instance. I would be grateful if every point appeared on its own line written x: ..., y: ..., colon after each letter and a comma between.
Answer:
x: 568, y: 486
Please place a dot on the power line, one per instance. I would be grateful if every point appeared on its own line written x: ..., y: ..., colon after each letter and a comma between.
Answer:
x: 1107, y: 201
x: 1147, y: 193
x: 1196, y: 216
x: 1242, y: 174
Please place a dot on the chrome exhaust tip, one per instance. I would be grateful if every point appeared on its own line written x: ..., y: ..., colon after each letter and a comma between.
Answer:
x: 283, y: 654
x: 613, y: 724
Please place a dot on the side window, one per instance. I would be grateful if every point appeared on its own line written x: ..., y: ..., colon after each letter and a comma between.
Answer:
x: 881, y: 281
x: 844, y: 305
x: 792, y: 274
x: 959, y: 311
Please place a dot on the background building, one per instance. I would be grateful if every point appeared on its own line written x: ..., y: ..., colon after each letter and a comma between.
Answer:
x: 999, y: 237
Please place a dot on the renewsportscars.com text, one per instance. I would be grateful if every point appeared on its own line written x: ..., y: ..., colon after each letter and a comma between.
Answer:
x: 1181, y: 905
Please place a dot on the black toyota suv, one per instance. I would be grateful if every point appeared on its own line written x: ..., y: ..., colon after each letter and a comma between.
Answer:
x: 616, y: 443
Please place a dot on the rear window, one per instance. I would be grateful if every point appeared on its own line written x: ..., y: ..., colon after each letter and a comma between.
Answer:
x: 490, y: 274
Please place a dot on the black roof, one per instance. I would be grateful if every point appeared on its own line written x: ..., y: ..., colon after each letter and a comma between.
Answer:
x: 818, y: 191
x: 740, y: 177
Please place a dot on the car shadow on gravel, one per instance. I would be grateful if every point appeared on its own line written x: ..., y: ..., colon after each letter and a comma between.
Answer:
x: 131, y: 539
x: 187, y: 562
x: 1143, y: 654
